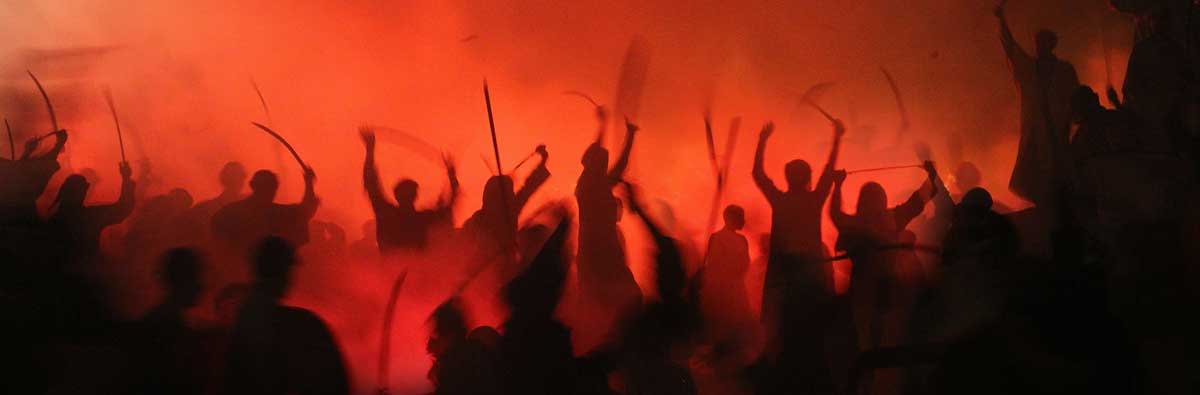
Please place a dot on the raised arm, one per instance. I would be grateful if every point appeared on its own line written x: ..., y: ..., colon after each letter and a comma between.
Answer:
x: 308, y: 205
x: 533, y: 182
x: 1017, y: 56
x: 618, y: 169
x: 836, y: 214
x: 112, y: 214
x: 371, y: 172
x: 826, y: 180
x: 915, y: 204
x: 60, y: 141
x: 763, y: 182
x: 447, y: 202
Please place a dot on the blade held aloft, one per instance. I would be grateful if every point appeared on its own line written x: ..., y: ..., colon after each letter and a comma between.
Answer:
x: 284, y: 142
x: 49, y: 107
x: 112, y: 108
x: 12, y: 147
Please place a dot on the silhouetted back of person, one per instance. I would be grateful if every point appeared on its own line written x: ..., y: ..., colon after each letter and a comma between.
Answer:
x: 493, y: 228
x: 24, y: 181
x: 277, y: 349
x: 606, y: 285
x: 462, y: 366
x: 172, y: 359
x: 796, y: 259
x: 723, y: 286
x: 401, y: 226
x: 76, y: 227
x: 1045, y: 84
x: 536, y: 347
x: 233, y: 180
x: 245, y: 222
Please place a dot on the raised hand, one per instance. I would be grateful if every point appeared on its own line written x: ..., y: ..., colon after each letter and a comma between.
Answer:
x: 767, y: 130
x: 126, y: 171
x: 309, y: 174
x: 839, y: 176
x: 541, y: 151
x: 601, y: 114
x: 930, y: 169
x: 368, y: 136
x: 630, y: 126
x: 999, y: 10
x: 839, y: 128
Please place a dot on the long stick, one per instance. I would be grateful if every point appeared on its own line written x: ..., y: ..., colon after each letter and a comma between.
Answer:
x: 487, y: 97
x: 12, y: 147
x: 284, y: 142
x: 49, y: 107
x: 385, y: 341
x: 116, y: 121
x: 584, y: 96
x: 712, y: 147
x: 884, y: 168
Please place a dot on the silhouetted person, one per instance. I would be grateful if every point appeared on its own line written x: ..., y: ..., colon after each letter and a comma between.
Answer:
x: 885, y: 272
x: 662, y: 330
x: 24, y: 181
x: 724, y: 280
x: 233, y: 180
x: 606, y: 285
x: 171, y: 357
x: 1045, y: 84
x: 401, y: 226
x: 366, y: 248
x: 277, y: 349
x: 493, y: 227
x: 536, y: 347
x: 77, y: 227
x: 243, y: 223
x: 795, y: 229
x: 461, y: 365
x: 160, y: 223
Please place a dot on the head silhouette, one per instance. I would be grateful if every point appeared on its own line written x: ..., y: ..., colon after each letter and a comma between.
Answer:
x: 976, y: 200
x: 1046, y: 42
x: 179, y: 199
x: 497, y: 193
x: 449, y: 326
x: 735, y: 217
x: 406, y: 192
x: 72, y: 192
x: 595, y: 158
x: 872, y: 200
x: 1085, y: 103
x: 798, y: 174
x: 273, y: 260
x: 264, y: 185
x: 966, y: 176
x: 232, y: 177
x: 180, y: 276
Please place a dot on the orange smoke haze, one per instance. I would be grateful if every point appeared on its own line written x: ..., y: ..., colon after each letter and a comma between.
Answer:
x: 181, y: 72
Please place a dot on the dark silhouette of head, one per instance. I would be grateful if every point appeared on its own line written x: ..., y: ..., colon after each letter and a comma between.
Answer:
x: 1085, y: 103
x: 1047, y: 41
x: 180, y: 199
x: 449, y: 326
x: 735, y: 217
x: 264, y: 185
x: 180, y: 276
x: 872, y: 200
x: 966, y: 176
x: 91, y: 175
x: 497, y: 192
x: 232, y: 177
x: 595, y: 158
x: 73, y: 191
x: 273, y: 260
x: 976, y: 200
x: 405, y: 192
x: 798, y: 174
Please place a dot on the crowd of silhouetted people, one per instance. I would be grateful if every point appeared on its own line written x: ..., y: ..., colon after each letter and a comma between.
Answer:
x: 1091, y: 289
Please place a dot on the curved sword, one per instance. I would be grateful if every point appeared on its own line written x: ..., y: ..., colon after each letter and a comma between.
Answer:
x: 49, y: 107
x: 284, y: 142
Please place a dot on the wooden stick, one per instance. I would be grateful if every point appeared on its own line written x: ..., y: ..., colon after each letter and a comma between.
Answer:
x: 884, y: 168
x: 487, y: 97
x: 112, y: 108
